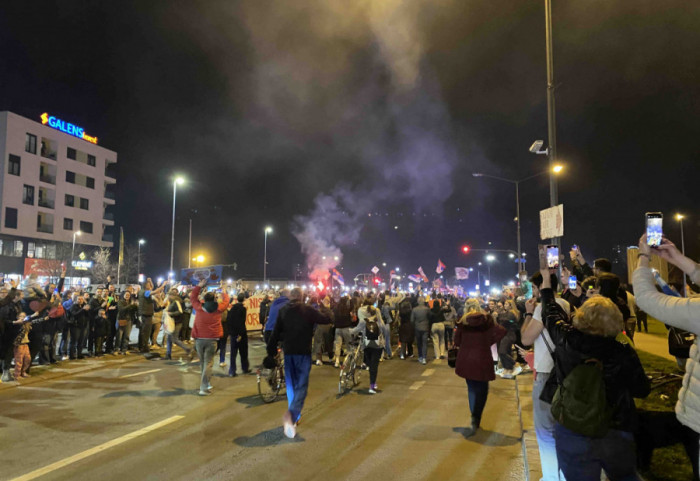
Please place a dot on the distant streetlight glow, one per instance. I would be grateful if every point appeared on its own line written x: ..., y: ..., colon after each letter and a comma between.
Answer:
x: 557, y: 168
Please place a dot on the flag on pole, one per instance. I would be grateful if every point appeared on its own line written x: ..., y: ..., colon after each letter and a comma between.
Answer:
x: 440, y: 267
x: 422, y: 274
x: 337, y: 276
x: 414, y: 278
x: 461, y: 273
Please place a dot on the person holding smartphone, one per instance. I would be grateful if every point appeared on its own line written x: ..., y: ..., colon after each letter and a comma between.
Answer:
x: 682, y: 313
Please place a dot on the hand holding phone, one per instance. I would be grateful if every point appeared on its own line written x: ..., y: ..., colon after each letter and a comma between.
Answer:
x: 552, y: 257
x: 655, y: 233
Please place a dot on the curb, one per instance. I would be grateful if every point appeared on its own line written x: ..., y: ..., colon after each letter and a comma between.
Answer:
x: 531, y: 453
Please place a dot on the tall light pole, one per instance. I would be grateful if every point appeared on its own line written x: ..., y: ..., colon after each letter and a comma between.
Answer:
x: 551, y: 117
x: 72, y: 255
x: 177, y: 181
x: 554, y: 170
x: 679, y: 218
x: 489, y: 259
x: 138, y: 261
x: 268, y: 230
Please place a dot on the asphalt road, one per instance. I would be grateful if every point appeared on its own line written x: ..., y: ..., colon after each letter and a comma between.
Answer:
x: 144, y: 420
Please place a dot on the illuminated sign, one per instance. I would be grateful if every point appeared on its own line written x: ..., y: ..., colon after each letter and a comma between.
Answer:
x: 66, y: 127
x: 82, y: 265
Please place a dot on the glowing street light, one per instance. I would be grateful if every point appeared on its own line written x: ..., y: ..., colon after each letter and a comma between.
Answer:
x: 268, y: 230
x: 138, y: 257
x: 179, y: 180
x: 679, y: 218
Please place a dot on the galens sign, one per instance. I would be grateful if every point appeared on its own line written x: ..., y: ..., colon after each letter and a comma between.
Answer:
x: 66, y: 127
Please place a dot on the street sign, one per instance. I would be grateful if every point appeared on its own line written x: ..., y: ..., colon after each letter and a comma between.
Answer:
x: 552, y: 222
x: 375, y: 269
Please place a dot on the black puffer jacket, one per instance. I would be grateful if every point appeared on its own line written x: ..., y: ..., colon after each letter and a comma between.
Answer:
x: 623, y: 372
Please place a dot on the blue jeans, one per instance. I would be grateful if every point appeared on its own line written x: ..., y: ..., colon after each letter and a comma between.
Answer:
x: 478, y: 393
x: 387, y: 339
x: 581, y: 458
x: 223, y: 342
x: 205, y: 350
x: 296, y: 374
x: 422, y: 343
x: 544, y: 430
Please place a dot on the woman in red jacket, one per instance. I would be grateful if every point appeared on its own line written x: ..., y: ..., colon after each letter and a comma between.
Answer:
x: 476, y: 333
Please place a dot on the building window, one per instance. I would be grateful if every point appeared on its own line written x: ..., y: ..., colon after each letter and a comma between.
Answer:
x: 84, y: 204
x: 11, y: 248
x: 92, y: 160
x: 89, y: 182
x: 31, y: 247
x: 28, y: 195
x: 10, y: 218
x: 70, y: 200
x: 67, y: 224
x: 86, y: 227
x: 14, y: 165
x: 71, y: 153
x: 70, y: 177
x: 30, y: 143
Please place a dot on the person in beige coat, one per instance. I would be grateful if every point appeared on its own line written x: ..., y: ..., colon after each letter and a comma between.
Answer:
x: 679, y: 312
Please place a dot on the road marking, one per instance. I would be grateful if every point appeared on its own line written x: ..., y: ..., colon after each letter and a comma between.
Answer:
x: 140, y: 373
x: 97, y: 449
x: 428, y: 372
x: 416, y: 385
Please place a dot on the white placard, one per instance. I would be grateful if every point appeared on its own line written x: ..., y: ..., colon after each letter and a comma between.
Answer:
x: 552, y: 222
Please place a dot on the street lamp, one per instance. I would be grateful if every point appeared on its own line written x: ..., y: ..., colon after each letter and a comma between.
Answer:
x: 138, y: 262
x: 176, y: 181
x: 556, y: 169
x: 489, y: 259
x: 268, y: 230
x: 679, y: 218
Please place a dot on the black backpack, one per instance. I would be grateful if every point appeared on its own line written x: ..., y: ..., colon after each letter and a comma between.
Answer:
x: 372, y: 329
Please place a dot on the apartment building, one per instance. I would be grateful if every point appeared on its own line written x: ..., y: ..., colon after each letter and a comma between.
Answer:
x: 56, y: 191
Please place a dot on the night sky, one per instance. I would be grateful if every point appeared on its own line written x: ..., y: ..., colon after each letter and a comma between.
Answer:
x: 311, y: 115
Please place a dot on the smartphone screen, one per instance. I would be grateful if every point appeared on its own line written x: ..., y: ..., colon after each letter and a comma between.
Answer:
x: 572, y: 282
x: 654, y: 228
x: 553, y: 257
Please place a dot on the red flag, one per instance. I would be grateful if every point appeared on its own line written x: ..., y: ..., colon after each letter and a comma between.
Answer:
x: 440, y: 267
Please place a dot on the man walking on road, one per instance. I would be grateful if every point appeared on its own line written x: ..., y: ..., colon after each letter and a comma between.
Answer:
x: 207, y: 330
x: 235, y: 324
x: 295, y: 327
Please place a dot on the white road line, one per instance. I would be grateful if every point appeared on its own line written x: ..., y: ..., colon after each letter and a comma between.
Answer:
x: 97, y: 449
x: 416, y: 385
x: 428, y: 372
x: 139, y: 373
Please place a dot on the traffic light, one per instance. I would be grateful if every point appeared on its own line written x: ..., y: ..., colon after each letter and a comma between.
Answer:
x: 465, y: 249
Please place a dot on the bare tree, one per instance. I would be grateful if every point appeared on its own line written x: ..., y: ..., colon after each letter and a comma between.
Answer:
x: 129, y: 270
x: 103, y: 266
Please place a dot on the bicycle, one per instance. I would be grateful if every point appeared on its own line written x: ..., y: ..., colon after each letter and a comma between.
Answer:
x: 271, y: 381
x: 351, y: 368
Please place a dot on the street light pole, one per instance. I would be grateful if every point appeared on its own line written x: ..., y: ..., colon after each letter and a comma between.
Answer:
x: 517, y: 217
x: 267, y: 231
x: 551, y: 118
x: 176, y: 181
x: 72, y: 256
x: 679, y: 218
x: 138, y: 259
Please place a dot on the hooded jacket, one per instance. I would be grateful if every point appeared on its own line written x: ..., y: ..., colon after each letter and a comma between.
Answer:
x: 207, y: 322
x: 295, y: 327
x: 274, y: 312
x: 474, y: 338
x: 623, y: 373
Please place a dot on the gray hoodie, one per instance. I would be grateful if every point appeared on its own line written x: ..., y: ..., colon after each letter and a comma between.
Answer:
x: 419, y: 318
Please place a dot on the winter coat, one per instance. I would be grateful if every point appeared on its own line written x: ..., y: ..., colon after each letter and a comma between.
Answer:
x: 147, y: 305
x: 474, y: 338
x: 207, y: 324
x: 176, y: 310
x: 419, y: 318
x: 623, y: 373
x: 295, y: 327
x: 683, y: 313
x: 126, y: 310
x: 79, y: 315
x: 342, y: 316
x: 235, y: 322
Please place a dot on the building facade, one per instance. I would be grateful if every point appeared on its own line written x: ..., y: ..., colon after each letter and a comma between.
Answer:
x: 56, y: 192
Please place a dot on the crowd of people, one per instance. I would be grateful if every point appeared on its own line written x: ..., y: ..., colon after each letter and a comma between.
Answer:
x: 576, y: 338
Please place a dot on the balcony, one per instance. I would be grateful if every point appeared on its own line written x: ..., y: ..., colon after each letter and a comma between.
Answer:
x: 107, y: 238
x: 49, y: 179
x: 47, y: 203
x: 108, y: 216
x: 109, y: 195
x: 45, y: 228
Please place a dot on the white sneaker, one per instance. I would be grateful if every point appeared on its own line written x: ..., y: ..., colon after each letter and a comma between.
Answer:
x: 507, y: 374
x: 204, y: 393
x: 64, y: 358
x: 222, y: 364
x: 372, y: 390
x: 336, y: 365
x: 499, y: 371
x: 319, y: 363
x: 517, y: 370
x: 210, y: 387
x: 423, y: 361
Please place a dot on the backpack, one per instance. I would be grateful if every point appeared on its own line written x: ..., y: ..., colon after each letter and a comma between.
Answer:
x: 580, y: 404
x: 372, y: 329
